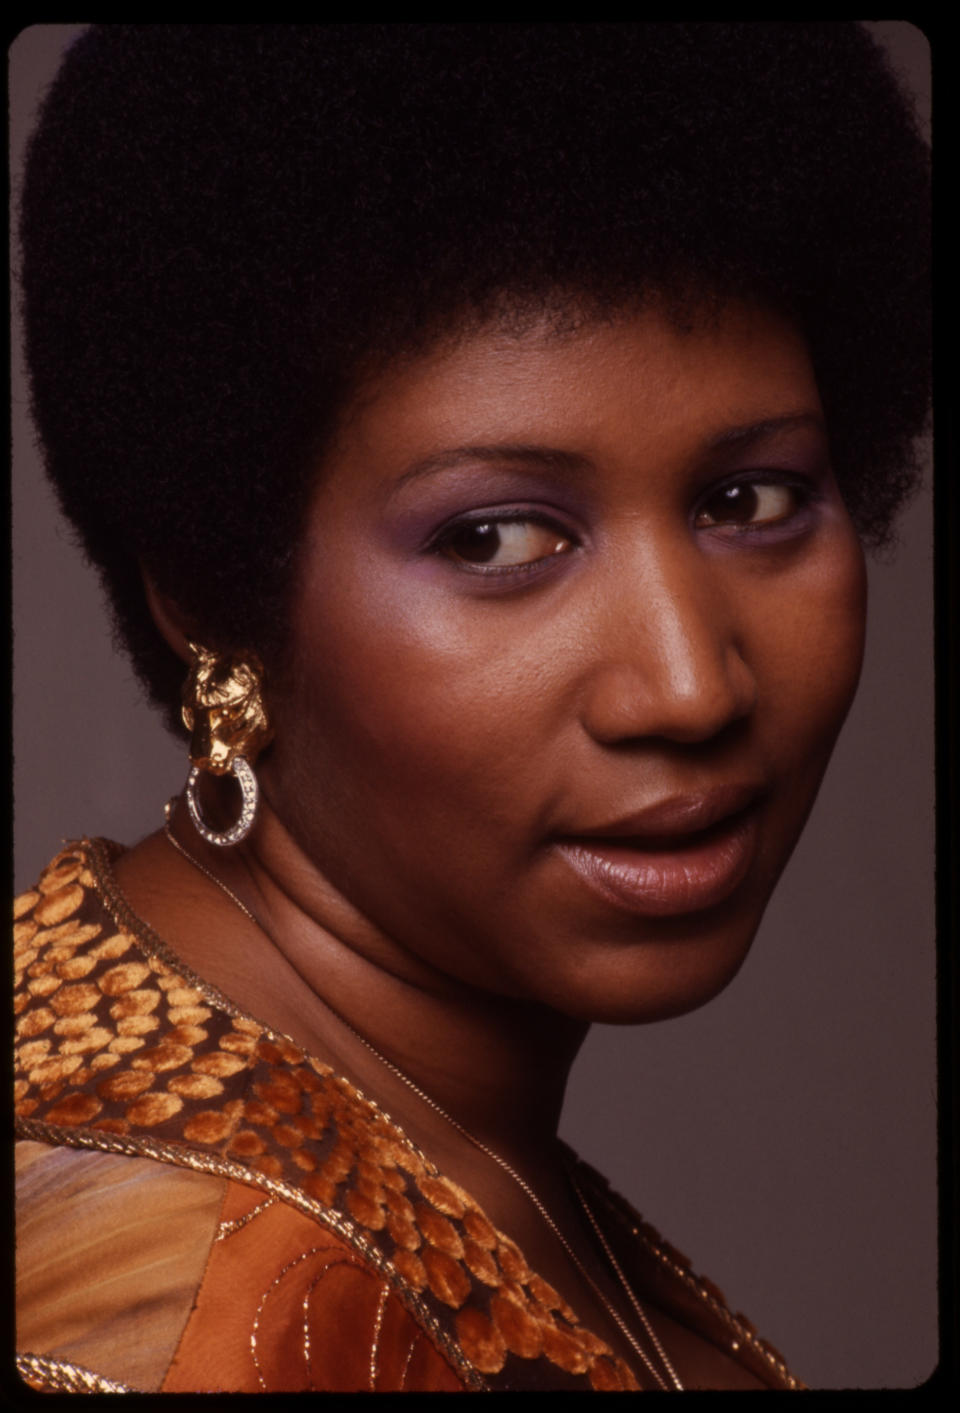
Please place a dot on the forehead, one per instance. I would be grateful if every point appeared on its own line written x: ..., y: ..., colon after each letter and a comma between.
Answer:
x: 582, y: 385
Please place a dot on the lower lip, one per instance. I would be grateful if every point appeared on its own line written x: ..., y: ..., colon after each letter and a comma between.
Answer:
x: 668, y: 882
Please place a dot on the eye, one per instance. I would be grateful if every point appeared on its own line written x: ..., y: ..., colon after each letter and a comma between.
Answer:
x: 494, y: 544
x: 748, y: 503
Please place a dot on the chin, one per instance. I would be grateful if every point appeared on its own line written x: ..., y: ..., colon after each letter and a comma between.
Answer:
x: 656, y: 981
x: 632, y: 1010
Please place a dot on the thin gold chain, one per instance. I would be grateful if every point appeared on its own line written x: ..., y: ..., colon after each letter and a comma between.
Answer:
x: 495, y: 1157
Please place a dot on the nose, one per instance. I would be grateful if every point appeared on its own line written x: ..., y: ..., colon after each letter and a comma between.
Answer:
x: 668, y: 657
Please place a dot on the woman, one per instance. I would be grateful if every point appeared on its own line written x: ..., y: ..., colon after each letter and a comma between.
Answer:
x: 539, y: 733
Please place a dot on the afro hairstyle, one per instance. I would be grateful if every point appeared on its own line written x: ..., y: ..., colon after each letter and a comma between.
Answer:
x: 222, y: 224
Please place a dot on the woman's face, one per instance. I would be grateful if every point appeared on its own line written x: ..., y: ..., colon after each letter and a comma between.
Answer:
x: 579, y: 618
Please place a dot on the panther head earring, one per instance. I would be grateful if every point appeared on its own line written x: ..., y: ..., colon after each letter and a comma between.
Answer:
x: 223, y: 709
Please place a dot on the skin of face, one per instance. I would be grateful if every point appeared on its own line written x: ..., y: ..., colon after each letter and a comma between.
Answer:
x: 553, y: 582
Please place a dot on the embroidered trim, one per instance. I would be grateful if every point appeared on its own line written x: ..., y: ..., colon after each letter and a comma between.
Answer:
x: 406, y: 1363
x: 304, y: 1256
x: 57, y: 1376
x: 225, y: 1229
x: 375, y: 1347
x: 743, y: 1334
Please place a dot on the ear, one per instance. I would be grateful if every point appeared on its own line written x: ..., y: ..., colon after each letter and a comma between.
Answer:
x: 172, y: 623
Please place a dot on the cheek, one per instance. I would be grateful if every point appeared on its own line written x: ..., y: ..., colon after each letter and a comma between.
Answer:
x: 815, y: 644
x: 404, y: 703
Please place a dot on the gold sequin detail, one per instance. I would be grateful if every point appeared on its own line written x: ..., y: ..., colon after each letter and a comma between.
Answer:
x: 284, y: 1271
x: 375, y: 1346
x: 406, y: 1363
x: 225, y: 1229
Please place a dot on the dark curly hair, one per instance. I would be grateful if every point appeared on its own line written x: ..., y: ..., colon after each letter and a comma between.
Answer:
x: 222, y: 224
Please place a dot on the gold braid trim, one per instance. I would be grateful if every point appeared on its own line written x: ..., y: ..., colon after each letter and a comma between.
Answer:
x: 741, y: 1334
x: 99, y: 856
x: 57, y: 1376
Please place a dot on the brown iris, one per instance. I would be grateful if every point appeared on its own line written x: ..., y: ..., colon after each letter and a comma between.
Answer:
x: 746, y: 503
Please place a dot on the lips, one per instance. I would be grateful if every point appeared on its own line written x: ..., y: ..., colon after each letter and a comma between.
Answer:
x: 679, y: 855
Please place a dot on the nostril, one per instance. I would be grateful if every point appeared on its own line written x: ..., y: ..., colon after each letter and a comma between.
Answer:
x: 685, y: 702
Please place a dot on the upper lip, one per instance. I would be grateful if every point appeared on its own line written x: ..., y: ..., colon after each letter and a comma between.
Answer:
x: 675, y: 816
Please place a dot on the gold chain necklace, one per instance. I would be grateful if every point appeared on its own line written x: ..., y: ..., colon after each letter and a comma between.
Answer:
x: 672, y: 1379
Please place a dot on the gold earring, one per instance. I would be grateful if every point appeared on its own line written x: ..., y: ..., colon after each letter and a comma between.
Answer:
x: 223, y: 709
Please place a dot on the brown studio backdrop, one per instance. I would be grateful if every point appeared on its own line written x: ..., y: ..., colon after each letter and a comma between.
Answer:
x: 784, y: 1135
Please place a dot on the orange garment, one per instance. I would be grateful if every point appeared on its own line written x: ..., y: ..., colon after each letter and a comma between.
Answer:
x: 205, y: 1207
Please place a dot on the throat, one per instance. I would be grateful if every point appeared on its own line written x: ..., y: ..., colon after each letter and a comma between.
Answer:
x: 477, y: 1084
x: 449, y: 1063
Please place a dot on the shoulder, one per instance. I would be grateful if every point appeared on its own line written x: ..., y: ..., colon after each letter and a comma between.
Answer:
x: 122, y: 1049
x: 288, y: 1304
x: 159, y: 1278
x: 90, y: 1225
x: 162, y: 1203
x: 305, y: 1243
x: 665, y: 1277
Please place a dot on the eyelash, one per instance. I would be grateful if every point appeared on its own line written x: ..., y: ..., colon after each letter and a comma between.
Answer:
x: 804, y: 491
x: 441, y: 542
x: 805, y: 494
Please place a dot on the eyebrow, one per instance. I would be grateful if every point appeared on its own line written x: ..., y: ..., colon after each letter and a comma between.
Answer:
x: 572, y: 462
x: 522, y: 454
x: 769, y: 426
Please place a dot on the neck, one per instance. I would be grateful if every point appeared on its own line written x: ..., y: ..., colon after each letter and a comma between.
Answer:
x: 312, y: 966
x: 475, y: 1080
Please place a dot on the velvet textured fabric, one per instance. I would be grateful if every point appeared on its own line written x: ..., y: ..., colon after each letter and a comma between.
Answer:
x: 205, y: 1207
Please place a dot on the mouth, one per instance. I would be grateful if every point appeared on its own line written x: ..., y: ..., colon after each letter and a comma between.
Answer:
x: 682, y: 855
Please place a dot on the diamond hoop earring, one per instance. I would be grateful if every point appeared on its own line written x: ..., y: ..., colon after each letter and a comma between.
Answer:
x: 242, y: 772
x: 223, y: 709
